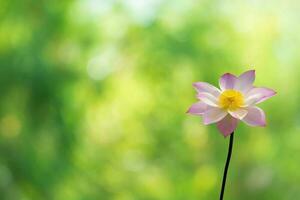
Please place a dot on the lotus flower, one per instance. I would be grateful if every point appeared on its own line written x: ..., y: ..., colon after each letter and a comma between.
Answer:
x: 235, y: 101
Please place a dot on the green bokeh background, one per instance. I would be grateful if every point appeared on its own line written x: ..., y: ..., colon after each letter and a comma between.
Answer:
x: 94, y: 94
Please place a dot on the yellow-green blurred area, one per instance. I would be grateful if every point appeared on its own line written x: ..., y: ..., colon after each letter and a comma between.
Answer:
x: 94, y: 95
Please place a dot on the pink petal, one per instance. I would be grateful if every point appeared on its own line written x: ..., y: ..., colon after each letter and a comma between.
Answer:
x: 245, y: 81
x: 227, y: 81
x: 258, y: 95
x: 206, y: 87
x: 213, y: 115
x: 227, y: 125
x: 198, y: 108
x: 239, y: 113
x: 255, y: 117
x: 208, y: 98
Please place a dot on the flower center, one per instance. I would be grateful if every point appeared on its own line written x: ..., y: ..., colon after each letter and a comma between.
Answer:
x: 231, y: 99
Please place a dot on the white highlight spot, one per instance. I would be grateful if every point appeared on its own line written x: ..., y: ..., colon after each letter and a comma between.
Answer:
x: 102, y: 65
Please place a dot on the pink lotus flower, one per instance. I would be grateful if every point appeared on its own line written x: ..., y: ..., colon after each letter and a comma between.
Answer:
x: 236, y: 100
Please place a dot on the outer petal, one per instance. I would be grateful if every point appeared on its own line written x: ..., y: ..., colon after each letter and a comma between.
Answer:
x: 255, y: 117
x: 198, y: 108
x: 227, y: 81
x: 227, y: 125
x: 238, y: 114
x: 208, y: 98
x: 206, y: 87
x: 245, y: 81
x: 258, y: 95
x: 213, y: 115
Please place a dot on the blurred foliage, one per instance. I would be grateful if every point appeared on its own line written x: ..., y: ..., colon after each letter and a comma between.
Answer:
x: 94, y: 94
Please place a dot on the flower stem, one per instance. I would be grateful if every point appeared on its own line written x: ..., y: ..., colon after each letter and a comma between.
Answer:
x: 226, y: 165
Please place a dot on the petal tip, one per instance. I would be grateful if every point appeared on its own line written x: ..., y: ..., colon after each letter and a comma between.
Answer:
x: 264, y: 124
x: 189, y: 112
x: 251, y: 72
x: 273, y: 92
x: 227, y: 74
x: 195, y: 86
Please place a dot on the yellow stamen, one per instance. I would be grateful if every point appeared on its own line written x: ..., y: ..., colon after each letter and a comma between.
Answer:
x: 231, y: 100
